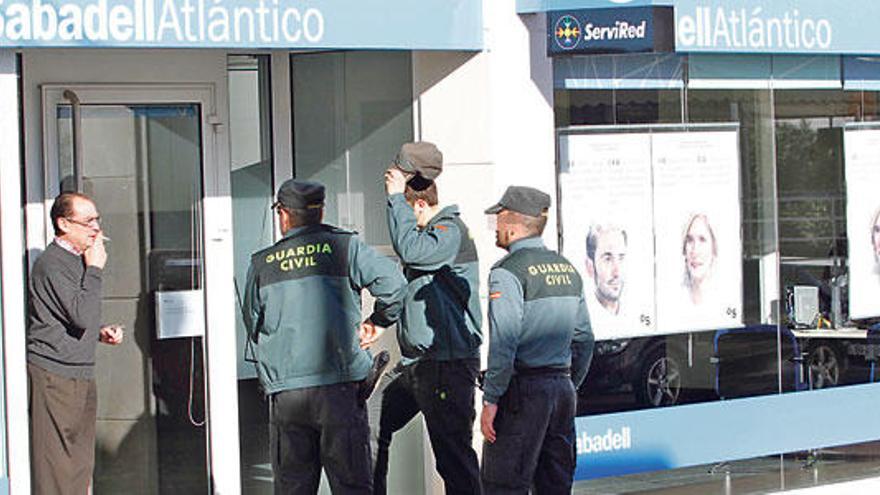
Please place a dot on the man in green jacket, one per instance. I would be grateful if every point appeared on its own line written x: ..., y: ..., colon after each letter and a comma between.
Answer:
x: 540, y: 348
x: 439, y: 331
x: 302, y: 312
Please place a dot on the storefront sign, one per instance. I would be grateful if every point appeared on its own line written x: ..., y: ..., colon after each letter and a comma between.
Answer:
x: 629, y: 30
x: 752, y: 26
x: 777, y: 27
x: 312, y: 24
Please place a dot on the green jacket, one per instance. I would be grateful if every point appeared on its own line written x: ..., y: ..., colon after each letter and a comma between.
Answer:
x: 441, y: 317
x: 302, y: 307
x: 537, y: 317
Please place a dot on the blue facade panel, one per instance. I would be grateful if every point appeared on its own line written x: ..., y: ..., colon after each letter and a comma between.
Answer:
x: 268, y: 24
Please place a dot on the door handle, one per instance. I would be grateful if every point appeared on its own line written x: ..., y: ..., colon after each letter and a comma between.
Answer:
x: 76, y: 121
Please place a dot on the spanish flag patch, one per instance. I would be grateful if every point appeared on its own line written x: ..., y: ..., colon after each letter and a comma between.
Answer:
x: 495, y: 295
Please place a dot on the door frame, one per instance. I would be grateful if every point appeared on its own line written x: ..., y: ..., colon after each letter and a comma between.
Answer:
x: 220, y: 343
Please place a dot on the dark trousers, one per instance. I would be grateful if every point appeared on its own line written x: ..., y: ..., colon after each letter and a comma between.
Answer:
x: 535, y: 438
x: 443, y: 391
x: 63, y: 415
x: 317, y: 427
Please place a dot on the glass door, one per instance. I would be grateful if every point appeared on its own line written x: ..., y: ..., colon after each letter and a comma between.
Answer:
x: 145, y: 156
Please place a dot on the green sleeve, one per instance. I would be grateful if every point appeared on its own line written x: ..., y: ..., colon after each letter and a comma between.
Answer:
x: 252, y: 307
x: 381, y: 277
x: 505, y: 329
x: 421, y: 249
x: 581, y: 345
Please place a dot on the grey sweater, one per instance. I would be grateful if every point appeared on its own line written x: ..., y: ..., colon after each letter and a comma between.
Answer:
x: 64, y: 314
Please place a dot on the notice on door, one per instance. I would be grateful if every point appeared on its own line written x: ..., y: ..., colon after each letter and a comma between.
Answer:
x: 180, y: 314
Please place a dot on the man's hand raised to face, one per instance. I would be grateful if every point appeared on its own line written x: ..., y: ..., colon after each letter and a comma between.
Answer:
x: 395, y: 181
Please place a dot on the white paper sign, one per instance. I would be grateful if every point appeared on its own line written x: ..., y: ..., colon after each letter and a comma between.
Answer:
x: 697, y: 228
x: 608, y: 228
x: 862, y: 152
x: 180, y: 314
x: 652, y: 219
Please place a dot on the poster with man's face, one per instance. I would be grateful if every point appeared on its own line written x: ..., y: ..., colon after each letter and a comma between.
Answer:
x: 862, y: 152
x: 697, y: 229
x: 608, y: 228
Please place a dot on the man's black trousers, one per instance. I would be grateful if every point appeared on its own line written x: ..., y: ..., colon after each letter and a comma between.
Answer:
x: 320, y: 426
x: 443, y: 391
x: 535, y: 437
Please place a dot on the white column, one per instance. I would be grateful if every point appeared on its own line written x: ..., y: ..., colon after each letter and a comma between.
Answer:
x: 491, y: 114
x: 220, y: 344
x: 520, y: 92
x: 13, y: 286
x: 282, y: 117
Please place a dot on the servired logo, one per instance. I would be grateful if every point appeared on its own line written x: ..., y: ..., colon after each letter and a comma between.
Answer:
x: 567, y: 32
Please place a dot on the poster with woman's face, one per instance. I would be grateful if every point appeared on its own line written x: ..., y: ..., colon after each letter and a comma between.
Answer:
x: 697, y: 229
x: 607, y: 227
x: 862, y: 151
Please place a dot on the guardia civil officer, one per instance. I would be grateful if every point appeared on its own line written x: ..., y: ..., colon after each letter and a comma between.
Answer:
x: 302, y: 312
x: 439, y: 331
x: 540, y: 347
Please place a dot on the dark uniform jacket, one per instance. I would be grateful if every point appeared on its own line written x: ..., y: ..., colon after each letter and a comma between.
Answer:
x: 537, y: 317
x: 302, y: 306
x: 441, y: 317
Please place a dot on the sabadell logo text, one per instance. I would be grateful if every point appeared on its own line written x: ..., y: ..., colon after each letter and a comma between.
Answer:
x: 610, y: 441
x: 159, y: 21
x: 755, y: 29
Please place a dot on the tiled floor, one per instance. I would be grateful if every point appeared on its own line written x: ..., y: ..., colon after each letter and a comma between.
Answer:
x: 764, y: 475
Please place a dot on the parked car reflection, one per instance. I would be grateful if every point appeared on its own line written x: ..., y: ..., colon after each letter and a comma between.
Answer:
x: 668, y: 370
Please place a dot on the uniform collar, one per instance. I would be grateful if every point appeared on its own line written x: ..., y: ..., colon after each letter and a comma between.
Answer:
x: 447, y: 213
x: 299, y: 230
x: 525, y: 243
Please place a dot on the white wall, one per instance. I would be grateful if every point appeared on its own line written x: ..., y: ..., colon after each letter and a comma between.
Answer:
x: 521, y: 102
x: 491, y: 114
x: 11, y: 268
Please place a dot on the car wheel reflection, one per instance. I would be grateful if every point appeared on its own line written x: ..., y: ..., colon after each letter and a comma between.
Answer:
x: 659, y: 382
x: 824, y: 367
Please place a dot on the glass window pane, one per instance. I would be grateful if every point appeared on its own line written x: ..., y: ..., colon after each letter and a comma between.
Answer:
x: 814, y: 245
x: 352, y: 111
x: 143, y: 166
x: 611, y: 107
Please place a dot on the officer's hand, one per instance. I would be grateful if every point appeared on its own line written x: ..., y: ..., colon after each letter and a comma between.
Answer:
x: 487, y: 421
x: 369, y: 333
x: 111, y: 334
x: 96, y: 254
x: 395, y: 181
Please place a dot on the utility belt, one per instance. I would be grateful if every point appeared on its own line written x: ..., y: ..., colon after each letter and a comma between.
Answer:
x: 514, y: 396
x: 524, y: 372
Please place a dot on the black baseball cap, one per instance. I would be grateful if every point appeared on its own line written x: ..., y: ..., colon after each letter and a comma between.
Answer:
x: 298, y: 194
x: 521, y: 199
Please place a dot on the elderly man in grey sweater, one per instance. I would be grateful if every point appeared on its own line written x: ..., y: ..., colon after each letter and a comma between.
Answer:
x: 64, y: 328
